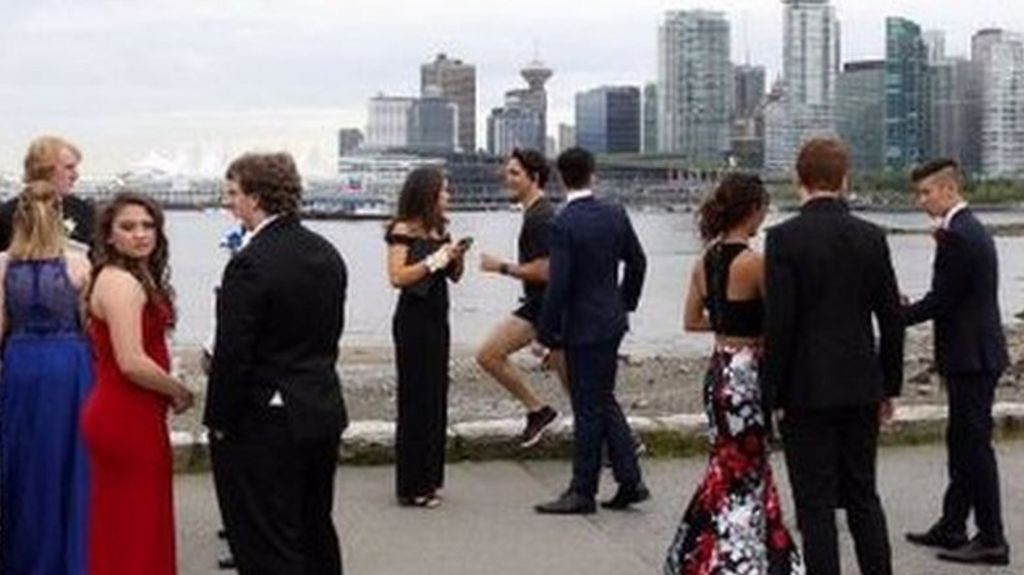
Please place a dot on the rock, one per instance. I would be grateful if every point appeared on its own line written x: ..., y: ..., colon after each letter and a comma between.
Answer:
x: 640, y: 402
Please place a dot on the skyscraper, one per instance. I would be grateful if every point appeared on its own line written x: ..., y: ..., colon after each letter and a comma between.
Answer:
x: 388, y: 122
x: 516, y: 125
x: 748, y: 116
x: 749, y: 89
x: 906, y: 94
x: 694, y: 85
x: 955, y: 119
x: 650, y: 119
x: 999, y: 59
x: 456, y: 81
x: 349, y: 140
x: 935, y: 45
x: 608, y: 119
x: 860, y: 118
x: 535, y: 97
x: 522, y: 121
x: 566, y: 137
x: 810, y: 66
x: 433, y: 123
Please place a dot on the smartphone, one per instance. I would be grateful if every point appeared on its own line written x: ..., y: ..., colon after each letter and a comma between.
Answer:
x: 465, y: 243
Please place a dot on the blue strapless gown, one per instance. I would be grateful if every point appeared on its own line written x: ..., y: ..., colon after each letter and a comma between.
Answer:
x: 45, y: 378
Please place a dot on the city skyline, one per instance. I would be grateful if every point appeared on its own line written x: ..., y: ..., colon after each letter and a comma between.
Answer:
x: 125, y: 81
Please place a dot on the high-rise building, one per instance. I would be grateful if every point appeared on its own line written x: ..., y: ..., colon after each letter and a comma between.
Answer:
x: 349, y: 140
x: 516, y: 125
x: 456, y: 81
x: 935, y: 45
x: 906, y: 94
x: 748, y: 116
x: 433, y: 123
x: 999, y: 59
x: 694, y: 85
x: 805, y: 102
x: 955, y: 122
x: 650, y: 119
x: 608, y: 120
x: 550, y: 147
x: 860, y: 118
x: 523, y: 119
x: 749, y: 89
x: 388, y: 122
x: 566, y: 137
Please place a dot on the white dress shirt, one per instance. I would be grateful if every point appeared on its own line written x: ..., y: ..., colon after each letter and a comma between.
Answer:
x: 574, y: 195
x: 947, y: 219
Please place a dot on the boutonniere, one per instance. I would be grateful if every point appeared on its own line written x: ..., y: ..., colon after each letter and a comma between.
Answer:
x: 233, y: 240
x: 69, y: 225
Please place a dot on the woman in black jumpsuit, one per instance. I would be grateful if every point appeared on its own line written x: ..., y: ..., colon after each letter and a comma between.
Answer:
x: 421, y: 261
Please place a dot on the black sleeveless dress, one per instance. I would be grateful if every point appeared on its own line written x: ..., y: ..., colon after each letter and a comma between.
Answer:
x: 422, y: 347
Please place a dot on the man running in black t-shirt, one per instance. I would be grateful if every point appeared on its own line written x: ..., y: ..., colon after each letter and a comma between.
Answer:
x: 526, y: 172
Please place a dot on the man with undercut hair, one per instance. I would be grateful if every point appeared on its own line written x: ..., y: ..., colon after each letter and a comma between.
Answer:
x: 970, y: 354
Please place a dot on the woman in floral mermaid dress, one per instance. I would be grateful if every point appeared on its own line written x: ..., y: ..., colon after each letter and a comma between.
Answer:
x: 733, y: 524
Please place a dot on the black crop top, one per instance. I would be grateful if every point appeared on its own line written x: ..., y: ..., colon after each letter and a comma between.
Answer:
x: 737, y: 318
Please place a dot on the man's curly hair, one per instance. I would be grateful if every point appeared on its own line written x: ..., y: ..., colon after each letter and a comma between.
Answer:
x: 272, y: 178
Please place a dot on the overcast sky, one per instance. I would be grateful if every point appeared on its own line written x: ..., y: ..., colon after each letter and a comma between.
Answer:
x: 192, y: 79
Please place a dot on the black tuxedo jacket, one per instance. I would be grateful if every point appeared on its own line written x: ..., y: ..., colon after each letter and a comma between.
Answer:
x: 828, y: 276
x: 280, y: 313
x: 81, y: 212
x: 585, y: 303
x: 964, y: 301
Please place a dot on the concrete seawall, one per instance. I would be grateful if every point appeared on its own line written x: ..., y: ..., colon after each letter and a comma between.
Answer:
x: 372, y: 442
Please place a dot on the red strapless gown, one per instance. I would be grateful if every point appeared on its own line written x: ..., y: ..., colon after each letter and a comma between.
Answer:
x: 131, y: 529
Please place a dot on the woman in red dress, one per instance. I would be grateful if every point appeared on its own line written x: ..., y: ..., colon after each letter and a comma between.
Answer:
x: 131, y: 530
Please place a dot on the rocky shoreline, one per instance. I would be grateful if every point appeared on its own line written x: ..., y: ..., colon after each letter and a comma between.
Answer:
x: 654, y: 386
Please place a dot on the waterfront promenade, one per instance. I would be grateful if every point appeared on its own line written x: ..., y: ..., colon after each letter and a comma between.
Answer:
x: 487, y: 525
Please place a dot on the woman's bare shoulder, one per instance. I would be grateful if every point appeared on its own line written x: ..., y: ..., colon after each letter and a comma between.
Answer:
x: 117, y: 280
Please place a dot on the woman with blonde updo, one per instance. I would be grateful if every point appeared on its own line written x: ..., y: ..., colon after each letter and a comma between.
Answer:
x: 45, y: 377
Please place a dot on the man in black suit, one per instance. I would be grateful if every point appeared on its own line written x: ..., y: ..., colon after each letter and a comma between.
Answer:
x: 585, y: 314
x: 970, y: 353
x: 828, y: 274
x: 274, y: 405
x: 54, y: 160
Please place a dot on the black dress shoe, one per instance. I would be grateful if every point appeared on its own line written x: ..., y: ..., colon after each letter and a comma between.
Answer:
x: 226, y: 563
x: 569, y: 503
x: 938, y: 537
x: 979, y: 553
x: 627, y: 496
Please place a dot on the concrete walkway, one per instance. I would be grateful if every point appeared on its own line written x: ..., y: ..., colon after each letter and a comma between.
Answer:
x: 487, y: 525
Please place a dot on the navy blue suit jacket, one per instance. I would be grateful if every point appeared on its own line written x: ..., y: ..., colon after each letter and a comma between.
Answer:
x: 964, y: 301
x: 585, y: 302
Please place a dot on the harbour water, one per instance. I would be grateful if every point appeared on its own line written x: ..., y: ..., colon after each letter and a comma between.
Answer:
x: 670, y: 240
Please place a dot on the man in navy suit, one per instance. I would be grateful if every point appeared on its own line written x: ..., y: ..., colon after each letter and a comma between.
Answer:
x: 585, y: 314
x: 970, y: 353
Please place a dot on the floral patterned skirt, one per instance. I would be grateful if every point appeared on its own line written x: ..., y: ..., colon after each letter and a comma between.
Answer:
x: 733, y: 525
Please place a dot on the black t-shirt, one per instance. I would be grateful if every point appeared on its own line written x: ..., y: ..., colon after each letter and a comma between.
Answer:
x: 534, y: 242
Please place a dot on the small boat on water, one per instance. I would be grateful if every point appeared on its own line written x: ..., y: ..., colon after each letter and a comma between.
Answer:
x: 364, y: 209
